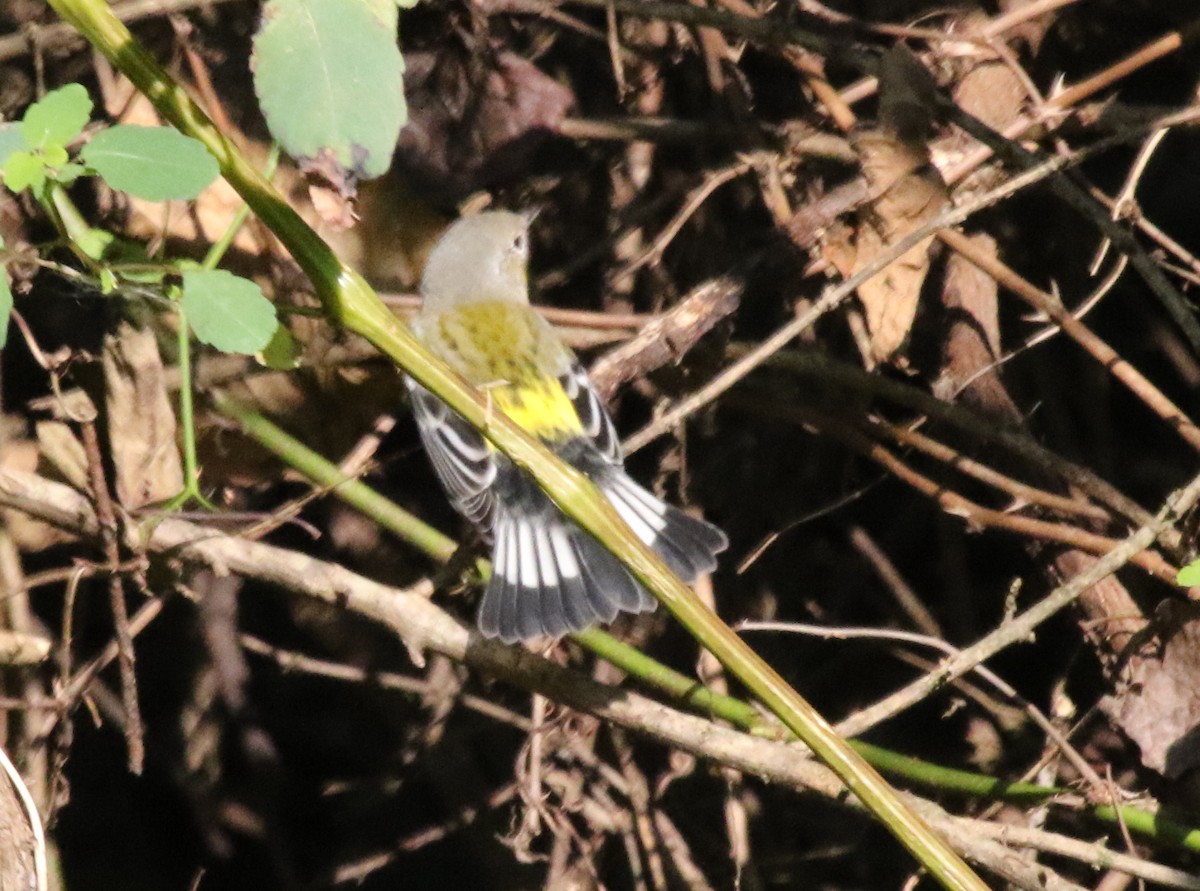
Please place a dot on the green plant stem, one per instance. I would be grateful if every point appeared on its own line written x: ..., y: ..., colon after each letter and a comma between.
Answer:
x: 80, y: 237
x: 220, y: 247
x: 187, y: 416
x: 349, y: 301
x: 701, y: 699
x: 187, y: 410
x: 325, y: 473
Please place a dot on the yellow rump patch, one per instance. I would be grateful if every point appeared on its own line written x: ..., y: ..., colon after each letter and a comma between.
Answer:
x: 540, y: 406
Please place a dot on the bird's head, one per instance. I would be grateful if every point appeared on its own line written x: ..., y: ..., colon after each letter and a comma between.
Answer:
x: 480, y: 257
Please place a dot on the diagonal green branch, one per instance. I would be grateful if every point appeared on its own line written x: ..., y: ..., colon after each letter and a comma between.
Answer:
x: 701, y: 699
x: 350, y: 302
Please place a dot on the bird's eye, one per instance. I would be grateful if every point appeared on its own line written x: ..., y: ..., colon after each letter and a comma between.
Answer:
x: 521, y: 243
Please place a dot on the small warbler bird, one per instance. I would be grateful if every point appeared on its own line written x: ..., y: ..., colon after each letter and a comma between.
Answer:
x: 549, y: 577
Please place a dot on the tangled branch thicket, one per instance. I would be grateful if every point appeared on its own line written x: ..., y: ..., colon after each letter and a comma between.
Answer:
x: 899, y: 294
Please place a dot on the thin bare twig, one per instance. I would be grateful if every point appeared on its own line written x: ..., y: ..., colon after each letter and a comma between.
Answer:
x: 422, y: 625
x: 926, y: 640
x: 1022, y: 626
x: 13, y: 46
x: 956, y: 504
x: 832, y: 298
x: 1108, y: 358
x: 106, y: 514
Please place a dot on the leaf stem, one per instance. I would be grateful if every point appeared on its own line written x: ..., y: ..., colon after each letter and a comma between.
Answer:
x: 187, y: 415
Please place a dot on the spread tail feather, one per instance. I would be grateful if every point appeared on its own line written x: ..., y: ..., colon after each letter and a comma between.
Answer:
x: 687, y: 545
x: 550, y: 578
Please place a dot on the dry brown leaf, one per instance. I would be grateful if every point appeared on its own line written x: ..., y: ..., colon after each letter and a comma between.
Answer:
x: 331, y: 188
x: 992, y: 92
x: 62, y: 450
x: 141, y: 422
x: 909, y: 193
x: 1159, y: 708
x: 28, y: 534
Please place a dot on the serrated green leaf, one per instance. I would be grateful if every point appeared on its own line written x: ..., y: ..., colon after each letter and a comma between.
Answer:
x: 329, y: 77
x: 58, y: 117
x: 6, y: 306
x: 54, y: 155
x: 155, y: 163
x: 68, y: 173
x: 282, y: 353
x: 24, y: 170
x: 1189, y: 576
x: 11, y: 140
x: 228, y: 312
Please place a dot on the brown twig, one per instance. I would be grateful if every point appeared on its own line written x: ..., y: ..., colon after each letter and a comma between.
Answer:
x: 668, y: 338
x: 107, y: 517
x: 78, y: 684
x: 958, y: 505
x: 901, y: 591
x: 1073, y: 196
x: 838, y: 376
x: 60, y: 34
x: 422, y: 625
x: 832, y: 298
x: 713, y: 180
x: 1020, y: 627
x: 1021, y: 492
x: 1122, y: 370
x: 1101, y: 80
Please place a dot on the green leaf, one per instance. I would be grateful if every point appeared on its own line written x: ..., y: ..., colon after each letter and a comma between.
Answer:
x: 68, y: 173
x: 108, y: 281
x: 93, y: 242
x: 11, y: 140
x: 282, y: 353
x: 155, y: 163
x: 58, y: 118
x: 6, y: 305
x: 145, y: 276
x: 228, y: 312
x: 1189, y: 576
x: 54, y: 155
x: 329, y: 78
x: 24, y: 170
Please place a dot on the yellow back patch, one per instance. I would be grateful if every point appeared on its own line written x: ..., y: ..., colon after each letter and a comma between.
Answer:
x: 509, y: 351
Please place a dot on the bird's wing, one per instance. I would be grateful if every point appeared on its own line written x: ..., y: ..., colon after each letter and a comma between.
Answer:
x: 593, y: 416
x: 461, y: 457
